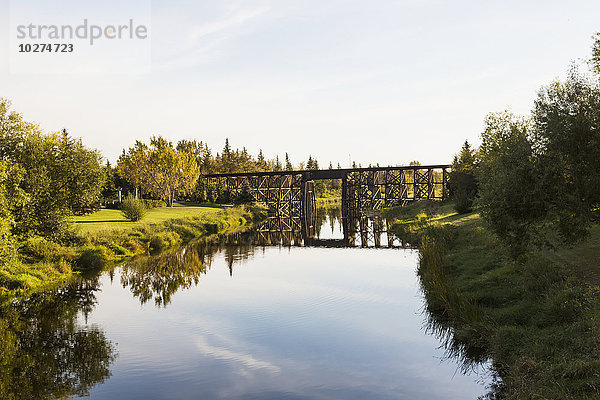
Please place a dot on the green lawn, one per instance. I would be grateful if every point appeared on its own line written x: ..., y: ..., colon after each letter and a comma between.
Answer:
x: 108, y: 220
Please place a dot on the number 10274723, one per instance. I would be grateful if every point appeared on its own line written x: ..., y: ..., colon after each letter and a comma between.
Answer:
x: 45, y: 48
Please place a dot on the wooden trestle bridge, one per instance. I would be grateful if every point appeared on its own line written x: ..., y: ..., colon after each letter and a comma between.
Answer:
x: 290, y: 195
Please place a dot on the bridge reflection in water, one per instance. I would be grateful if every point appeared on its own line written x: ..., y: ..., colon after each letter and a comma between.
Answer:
x: 290, y: 197
x: 372, y: 232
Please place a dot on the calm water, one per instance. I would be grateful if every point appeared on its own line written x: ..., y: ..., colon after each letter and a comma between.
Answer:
x: 244, y: 322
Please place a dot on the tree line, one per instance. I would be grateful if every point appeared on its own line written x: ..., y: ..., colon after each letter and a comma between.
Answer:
x: 47, y: 177
x: 536, y: 179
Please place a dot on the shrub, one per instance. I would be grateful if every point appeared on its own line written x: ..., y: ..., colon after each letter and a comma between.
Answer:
x: 133, y: 209
x: 163, y: 240
x: 133, y: 246
x: 92, y: 258
x: 39, y: 248
x: 118, y: 250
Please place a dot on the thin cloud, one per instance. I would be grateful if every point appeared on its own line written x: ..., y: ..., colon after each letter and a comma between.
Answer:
x: 203, y: 43
x: 246, y: 359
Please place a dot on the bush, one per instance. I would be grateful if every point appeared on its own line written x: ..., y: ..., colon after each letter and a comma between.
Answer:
x: 133, y: 209
x: 39, y: 248
x: 163, y: 240
x: 133, y: 246
x: 92, y: 258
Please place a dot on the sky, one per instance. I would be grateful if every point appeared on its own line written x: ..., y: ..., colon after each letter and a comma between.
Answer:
x: 375, y: 82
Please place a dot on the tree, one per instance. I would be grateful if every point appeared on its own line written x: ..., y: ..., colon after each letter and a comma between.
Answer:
x: 60, y: 175
x: 84, y: 174
x: 312, y: 163
x: 277, y: 165
x: 11, y: 197
x: 511, y: 198
x: 595, y: 60
x: 567, y: 141
x: 462, y: 182
x: 110, y: 187
x: 160, y: 169
x: 288, y: 164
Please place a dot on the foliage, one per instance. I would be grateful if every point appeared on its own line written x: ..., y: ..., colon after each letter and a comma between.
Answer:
x: 133, y: 209
x: 462, y: 182
x: 511, y: 198
x: 567, y: 139
x: 244, y: 197
x: 59, y: 175
x: 149, y: 203
x: 11, y: 196
x: 595, y: 60
x: 163, y: 240
x: 160, y: 169
x: 93, y: 258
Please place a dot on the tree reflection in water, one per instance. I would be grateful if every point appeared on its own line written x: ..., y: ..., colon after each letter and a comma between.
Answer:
x: 44, y: 352
x: 159, y: 277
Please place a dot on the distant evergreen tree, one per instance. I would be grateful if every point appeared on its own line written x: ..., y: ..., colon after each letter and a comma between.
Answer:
x: 227, y: 148
x: 277, y: 166
x: 288, y: 164
x: 312, y: 163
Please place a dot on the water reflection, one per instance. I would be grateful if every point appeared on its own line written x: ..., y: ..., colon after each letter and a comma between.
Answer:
x: 327, y: 229
x: 158, y: 277
x: 45, y: 352
x: 294, y: 322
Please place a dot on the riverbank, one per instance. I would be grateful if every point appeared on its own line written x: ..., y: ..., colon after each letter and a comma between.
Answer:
x: 102, y: 238
x: 535, y: 318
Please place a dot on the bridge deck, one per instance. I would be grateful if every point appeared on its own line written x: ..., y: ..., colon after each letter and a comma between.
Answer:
x: 336, y: 173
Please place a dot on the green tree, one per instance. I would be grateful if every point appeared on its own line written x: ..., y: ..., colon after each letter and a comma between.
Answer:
x: 511, y: 198
x: 160, y: 169
x: 462, y: 182
x: 11, y: 197
x: 277, y: 164
x: 595, y: 60
x: 60, y: 175
x: 288, y: 163
x: 567, y: 141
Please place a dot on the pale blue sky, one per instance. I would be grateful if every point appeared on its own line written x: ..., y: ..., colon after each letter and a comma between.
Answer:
x: 381, y: 81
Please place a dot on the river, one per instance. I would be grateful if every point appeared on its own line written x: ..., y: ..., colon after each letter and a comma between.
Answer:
x: 233, y: 320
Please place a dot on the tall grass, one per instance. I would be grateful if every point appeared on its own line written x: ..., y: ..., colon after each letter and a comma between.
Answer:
x: 530, y: 317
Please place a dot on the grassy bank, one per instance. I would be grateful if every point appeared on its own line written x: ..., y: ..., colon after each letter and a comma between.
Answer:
x: 105, y: 237
x: 536, y: 318
x: 109, y: 220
